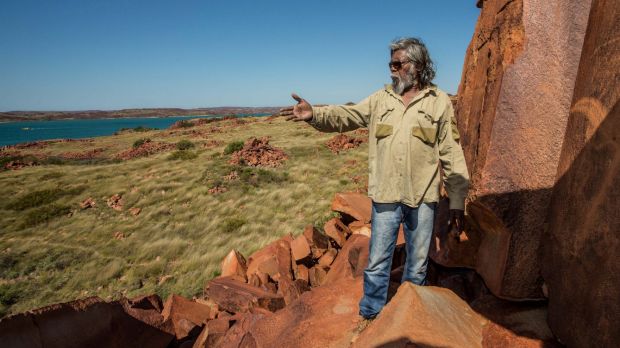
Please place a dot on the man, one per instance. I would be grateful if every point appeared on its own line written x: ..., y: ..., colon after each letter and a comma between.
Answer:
x: 412, y: 133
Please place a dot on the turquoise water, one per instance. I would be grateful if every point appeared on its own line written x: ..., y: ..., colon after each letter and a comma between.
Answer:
x: 25, y: 131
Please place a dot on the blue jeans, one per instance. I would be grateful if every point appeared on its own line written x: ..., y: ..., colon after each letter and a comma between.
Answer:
x: 418, y: 228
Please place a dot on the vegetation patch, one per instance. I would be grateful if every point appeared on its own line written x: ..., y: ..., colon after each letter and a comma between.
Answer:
x: 183, y: 155
x: 234, y: 146
x: 45, y: 214
x: 184, y: 145
x: 140, y: 142
x: 41, y: 197
x: 233, y: 224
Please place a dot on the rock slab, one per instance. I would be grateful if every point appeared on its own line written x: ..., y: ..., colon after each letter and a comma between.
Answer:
x: 581, y: 251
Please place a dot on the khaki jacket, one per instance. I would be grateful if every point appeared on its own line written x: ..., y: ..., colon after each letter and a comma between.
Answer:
x: 407, y: 145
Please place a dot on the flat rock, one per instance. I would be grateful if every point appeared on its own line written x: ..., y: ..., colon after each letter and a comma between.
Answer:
x: 234, y: 296
x: 186, y: 316
x: 274, y: 259
x: 337, y: 231
x: 356, y: 205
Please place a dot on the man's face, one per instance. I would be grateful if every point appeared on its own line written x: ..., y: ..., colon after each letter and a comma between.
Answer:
x: 402, y: 71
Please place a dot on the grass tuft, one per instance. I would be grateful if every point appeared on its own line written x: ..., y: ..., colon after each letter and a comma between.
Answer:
x: 184, y: 145
x: 233, y: 147
x: 183, y: 155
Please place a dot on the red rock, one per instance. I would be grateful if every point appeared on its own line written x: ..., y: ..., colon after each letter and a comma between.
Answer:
x: 135, y: 211
x: 337, y: 231
x: 513, y: 103
x: 318, y: 241
x: 317, y: 275
x: 258, y: 152
x: 323, y: 317
x: 328, y: 258
x: 185, y: 315
x: 356, y: 205
x: 514, y: 324
x: 302, y: 273
x: 212, y: 333
x: 424, y: 316
x: 88, y: 203
x: 115, y: 202
x: 234, y: 264
x: 351, y: 260
x: 300, y: 248
x: 89, y: 322
x: 359, y: 227
x: 274, y: 259
x: 342, y: 142
x: 235, y: 296
x: 581, y: 248
x: 238, y: 335
x: 291, y: 290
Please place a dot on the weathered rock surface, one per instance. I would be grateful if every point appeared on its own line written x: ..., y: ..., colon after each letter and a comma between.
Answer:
x: 581, y: 251
x: 514, y: 98
x: 186, y: 316
x: 323, y: 317
x: 235, y: 296
x: 356, y: 205
x: 234, y: 264
x: 424, y: 316
x: 274, y: 259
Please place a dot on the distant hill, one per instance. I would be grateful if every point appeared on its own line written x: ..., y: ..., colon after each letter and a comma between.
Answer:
x: 155, y: 112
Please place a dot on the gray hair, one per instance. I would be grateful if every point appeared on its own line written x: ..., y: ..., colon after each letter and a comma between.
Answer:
x: 416, y: 51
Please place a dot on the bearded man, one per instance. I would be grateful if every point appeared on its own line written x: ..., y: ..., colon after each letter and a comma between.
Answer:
x: 412, y: 134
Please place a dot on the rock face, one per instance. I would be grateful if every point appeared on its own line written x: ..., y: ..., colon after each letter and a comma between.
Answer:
x: 514, y: 98
x: 581, y: 251
x: 89, y: 322
x: 424, y: 316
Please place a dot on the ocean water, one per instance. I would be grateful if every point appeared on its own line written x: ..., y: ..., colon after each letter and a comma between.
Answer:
x: 25, y: 131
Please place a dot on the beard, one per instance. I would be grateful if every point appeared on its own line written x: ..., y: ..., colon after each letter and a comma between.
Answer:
x: 400, y: 85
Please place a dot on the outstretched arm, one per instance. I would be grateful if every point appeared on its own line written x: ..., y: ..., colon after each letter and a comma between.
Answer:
x: 332, y: 118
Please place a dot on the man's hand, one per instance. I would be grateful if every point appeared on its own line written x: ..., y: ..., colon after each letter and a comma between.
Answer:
x: 457, y: 219
x: 302, y: 111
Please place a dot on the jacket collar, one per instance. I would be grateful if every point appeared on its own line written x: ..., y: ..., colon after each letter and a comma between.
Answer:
x: 432, y: 90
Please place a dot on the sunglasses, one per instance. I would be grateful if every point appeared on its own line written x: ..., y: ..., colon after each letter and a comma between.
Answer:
x: 397, y: 64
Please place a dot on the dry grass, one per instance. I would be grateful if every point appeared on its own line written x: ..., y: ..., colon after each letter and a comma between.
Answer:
x: 182, y: 233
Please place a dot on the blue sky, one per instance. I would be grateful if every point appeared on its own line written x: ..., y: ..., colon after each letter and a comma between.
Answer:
x: 84, y: 54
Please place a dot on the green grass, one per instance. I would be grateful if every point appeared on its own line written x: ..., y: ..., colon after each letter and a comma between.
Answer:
x: 233, y: 146
x: 52, y: 251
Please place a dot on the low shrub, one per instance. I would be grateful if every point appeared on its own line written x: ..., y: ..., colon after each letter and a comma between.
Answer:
x: 233, y: 224
x: 41, y: 197
x: 183, y: 155
x: 140, y: 142
x: 45, y: 214
x: 233, y: 147
x: 184, y: 145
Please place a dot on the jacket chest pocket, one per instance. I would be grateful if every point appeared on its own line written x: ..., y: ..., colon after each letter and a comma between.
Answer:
x: 383, y: 130
x: 425, y: 128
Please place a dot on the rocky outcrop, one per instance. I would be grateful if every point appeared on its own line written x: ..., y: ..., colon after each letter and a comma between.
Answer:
x: 89, y: 322
x: 258, y: 153
x: 581, y: 251
x: 514, y: 98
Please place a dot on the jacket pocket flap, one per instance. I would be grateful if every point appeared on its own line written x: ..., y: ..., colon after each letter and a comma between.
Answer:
x: 427, y: 135
x: 383, y: 130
